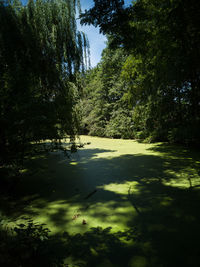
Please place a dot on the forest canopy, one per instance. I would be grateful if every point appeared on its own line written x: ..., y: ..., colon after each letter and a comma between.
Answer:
x: 160, y: 69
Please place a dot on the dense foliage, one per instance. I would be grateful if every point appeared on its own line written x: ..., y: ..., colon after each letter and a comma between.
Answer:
x: 104, y: 110
x: 40, y: 53
x: 146, y: 86
x: 162, y: 71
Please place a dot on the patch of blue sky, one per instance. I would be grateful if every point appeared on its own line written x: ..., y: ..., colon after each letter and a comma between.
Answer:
x: 96, y: 39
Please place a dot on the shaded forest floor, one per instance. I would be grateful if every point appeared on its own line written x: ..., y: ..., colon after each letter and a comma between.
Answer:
x: 112, y: 203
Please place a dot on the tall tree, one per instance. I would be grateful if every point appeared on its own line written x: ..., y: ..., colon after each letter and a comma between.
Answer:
x: 163, y: 70
x: 40, y: 52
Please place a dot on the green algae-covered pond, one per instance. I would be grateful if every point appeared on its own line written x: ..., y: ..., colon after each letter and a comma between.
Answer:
x: 125, y: 203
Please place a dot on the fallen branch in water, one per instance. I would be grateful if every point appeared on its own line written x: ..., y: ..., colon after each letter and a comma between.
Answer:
x: 90, y: 194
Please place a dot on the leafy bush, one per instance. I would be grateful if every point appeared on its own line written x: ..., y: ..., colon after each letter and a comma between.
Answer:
x: 27, y: 244
x: 120, y: 125
x: 140, y: 135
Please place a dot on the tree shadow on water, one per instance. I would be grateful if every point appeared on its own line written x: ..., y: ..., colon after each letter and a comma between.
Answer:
x: 164, y: 230
x: 168, y: 219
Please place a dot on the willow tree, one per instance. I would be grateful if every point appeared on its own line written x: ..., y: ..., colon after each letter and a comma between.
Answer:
x: 41, y: 51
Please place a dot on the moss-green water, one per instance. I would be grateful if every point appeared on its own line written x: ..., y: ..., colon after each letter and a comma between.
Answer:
x: 150, y: 189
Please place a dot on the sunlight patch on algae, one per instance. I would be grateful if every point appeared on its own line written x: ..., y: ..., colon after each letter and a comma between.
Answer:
x: 114, y: 168
x: 118, y: 147
x: 73, y: 163
x: 59, y: 215
x: 122, y: 189
x: 183, y: 179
